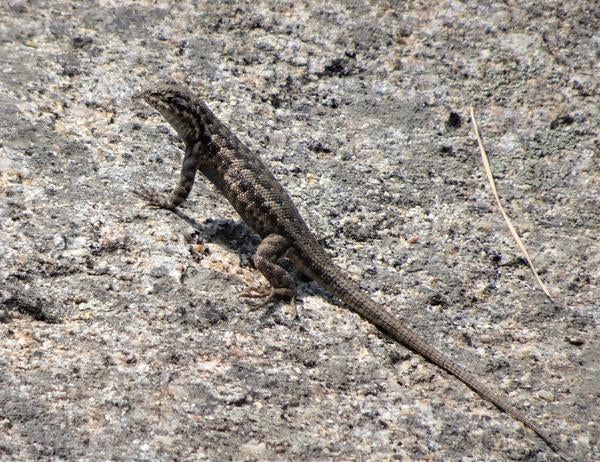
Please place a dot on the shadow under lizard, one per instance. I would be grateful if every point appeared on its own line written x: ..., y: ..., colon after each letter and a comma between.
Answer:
x: 266, y: 206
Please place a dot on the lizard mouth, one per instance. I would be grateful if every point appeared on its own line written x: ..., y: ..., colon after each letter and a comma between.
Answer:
x: 175, y: 109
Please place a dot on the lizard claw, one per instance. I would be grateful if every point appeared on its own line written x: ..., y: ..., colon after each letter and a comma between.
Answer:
x: 153, y: 198
x: 265, y: 294
x: 269, y: 295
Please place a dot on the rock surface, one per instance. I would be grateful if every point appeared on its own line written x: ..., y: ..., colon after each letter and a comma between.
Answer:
x: 123, y: 336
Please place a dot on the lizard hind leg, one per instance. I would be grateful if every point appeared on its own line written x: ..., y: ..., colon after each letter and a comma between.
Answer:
x: 271, y: 249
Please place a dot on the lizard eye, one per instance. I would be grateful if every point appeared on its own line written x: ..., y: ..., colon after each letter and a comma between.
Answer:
x: 179, y: 102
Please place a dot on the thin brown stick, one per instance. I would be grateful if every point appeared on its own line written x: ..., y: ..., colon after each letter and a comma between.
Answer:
x: 513, y: 231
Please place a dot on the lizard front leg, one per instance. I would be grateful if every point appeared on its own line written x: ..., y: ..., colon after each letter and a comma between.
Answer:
x: 271, y: 249
x: 191, y: 161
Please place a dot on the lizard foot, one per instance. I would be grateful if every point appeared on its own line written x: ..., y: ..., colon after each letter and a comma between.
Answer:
x: 153, y: 198
x: 269, y: 295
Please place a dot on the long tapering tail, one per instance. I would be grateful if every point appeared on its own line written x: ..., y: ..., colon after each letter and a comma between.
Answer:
x: 334, y: 280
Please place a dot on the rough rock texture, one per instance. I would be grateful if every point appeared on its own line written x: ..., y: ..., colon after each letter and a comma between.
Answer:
x: 122, y: 336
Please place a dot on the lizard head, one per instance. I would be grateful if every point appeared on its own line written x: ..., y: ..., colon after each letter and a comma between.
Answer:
x: 179, y: 107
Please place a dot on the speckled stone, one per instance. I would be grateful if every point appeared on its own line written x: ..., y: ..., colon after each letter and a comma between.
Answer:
x: 123, y: 336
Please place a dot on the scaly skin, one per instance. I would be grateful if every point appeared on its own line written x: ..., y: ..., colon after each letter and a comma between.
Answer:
x: 266, y: 206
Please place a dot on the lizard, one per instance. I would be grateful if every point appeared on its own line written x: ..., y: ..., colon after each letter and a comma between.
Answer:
x: 263, y: 203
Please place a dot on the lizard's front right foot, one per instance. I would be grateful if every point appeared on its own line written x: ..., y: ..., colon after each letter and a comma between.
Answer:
x: 153, y: 198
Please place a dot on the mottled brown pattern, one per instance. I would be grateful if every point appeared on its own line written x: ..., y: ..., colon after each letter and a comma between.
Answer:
x: 265, y: 205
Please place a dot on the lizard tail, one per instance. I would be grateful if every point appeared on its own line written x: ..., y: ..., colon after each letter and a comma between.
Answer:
x: 334, y: 280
